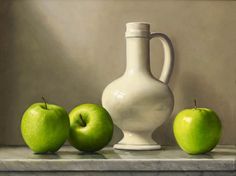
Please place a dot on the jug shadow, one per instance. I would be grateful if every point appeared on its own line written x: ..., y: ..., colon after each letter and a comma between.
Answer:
x: 117, y: 135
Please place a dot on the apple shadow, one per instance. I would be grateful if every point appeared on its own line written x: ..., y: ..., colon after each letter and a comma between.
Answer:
x: 200, y: 156
x: 45, y: 156
x: 68, y: 154
x: 223, y: 153
x: 91, y: 155
x: 117, y: 135
x: 81, y: 155
x: 34, y: 62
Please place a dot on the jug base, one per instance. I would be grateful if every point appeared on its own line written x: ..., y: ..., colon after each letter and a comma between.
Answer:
x: 137, y: 147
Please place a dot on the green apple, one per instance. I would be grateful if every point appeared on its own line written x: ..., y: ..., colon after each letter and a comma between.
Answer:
x: 45, y: 127
x: 91, y: 127
x: 197, y: 130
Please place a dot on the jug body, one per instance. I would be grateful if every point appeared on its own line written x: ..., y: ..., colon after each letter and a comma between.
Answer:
x: 137, y: 101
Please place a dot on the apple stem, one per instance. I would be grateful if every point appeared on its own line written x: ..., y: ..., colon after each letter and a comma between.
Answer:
x: 46, y: 107
x: 82, y: 120
x: 195, y: 103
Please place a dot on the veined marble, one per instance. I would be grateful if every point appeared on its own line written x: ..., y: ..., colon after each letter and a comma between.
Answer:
x: 21, y: 161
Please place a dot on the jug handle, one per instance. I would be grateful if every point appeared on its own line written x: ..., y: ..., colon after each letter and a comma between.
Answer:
x: 168, y: 56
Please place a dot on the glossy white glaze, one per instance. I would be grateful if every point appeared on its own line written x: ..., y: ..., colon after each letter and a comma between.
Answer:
x: 138, y: 102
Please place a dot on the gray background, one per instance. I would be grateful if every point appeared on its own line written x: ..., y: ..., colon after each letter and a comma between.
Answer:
x: 70, y: 50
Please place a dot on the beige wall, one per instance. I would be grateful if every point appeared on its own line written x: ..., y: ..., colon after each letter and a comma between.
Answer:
x: 70, y: 50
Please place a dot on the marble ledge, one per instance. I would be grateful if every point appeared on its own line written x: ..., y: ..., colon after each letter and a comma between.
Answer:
x: 168, y: 159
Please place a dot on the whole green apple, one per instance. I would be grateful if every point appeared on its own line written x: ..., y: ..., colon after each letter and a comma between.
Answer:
x: 91, y: 127
x: 45, y: 127
x: 197, y: 130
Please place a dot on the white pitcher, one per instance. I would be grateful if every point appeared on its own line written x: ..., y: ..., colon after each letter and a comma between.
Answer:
x: 137, y: 101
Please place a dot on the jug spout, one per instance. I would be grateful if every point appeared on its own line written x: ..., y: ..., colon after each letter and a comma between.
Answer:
x: 137, y: 29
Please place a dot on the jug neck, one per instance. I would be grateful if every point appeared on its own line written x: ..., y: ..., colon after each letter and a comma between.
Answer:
x: 137, y: 55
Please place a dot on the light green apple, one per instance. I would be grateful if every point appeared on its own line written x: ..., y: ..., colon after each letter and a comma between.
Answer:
x: 45, y: 127
x: 197, y: 130
x: 91, y: 127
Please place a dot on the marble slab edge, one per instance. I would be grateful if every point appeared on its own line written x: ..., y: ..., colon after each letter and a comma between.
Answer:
x: 117, y: 165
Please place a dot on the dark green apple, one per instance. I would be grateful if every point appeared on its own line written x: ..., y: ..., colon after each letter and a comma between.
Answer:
x: 197, y: 130
x: 45, y: 127
x: 91, y: 127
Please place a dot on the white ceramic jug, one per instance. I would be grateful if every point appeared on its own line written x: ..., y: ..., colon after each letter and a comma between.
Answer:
x: 137, y: 101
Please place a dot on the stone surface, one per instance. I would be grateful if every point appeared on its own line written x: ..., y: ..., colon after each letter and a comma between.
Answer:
x: 119, y: 173
x: 169, y: 159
